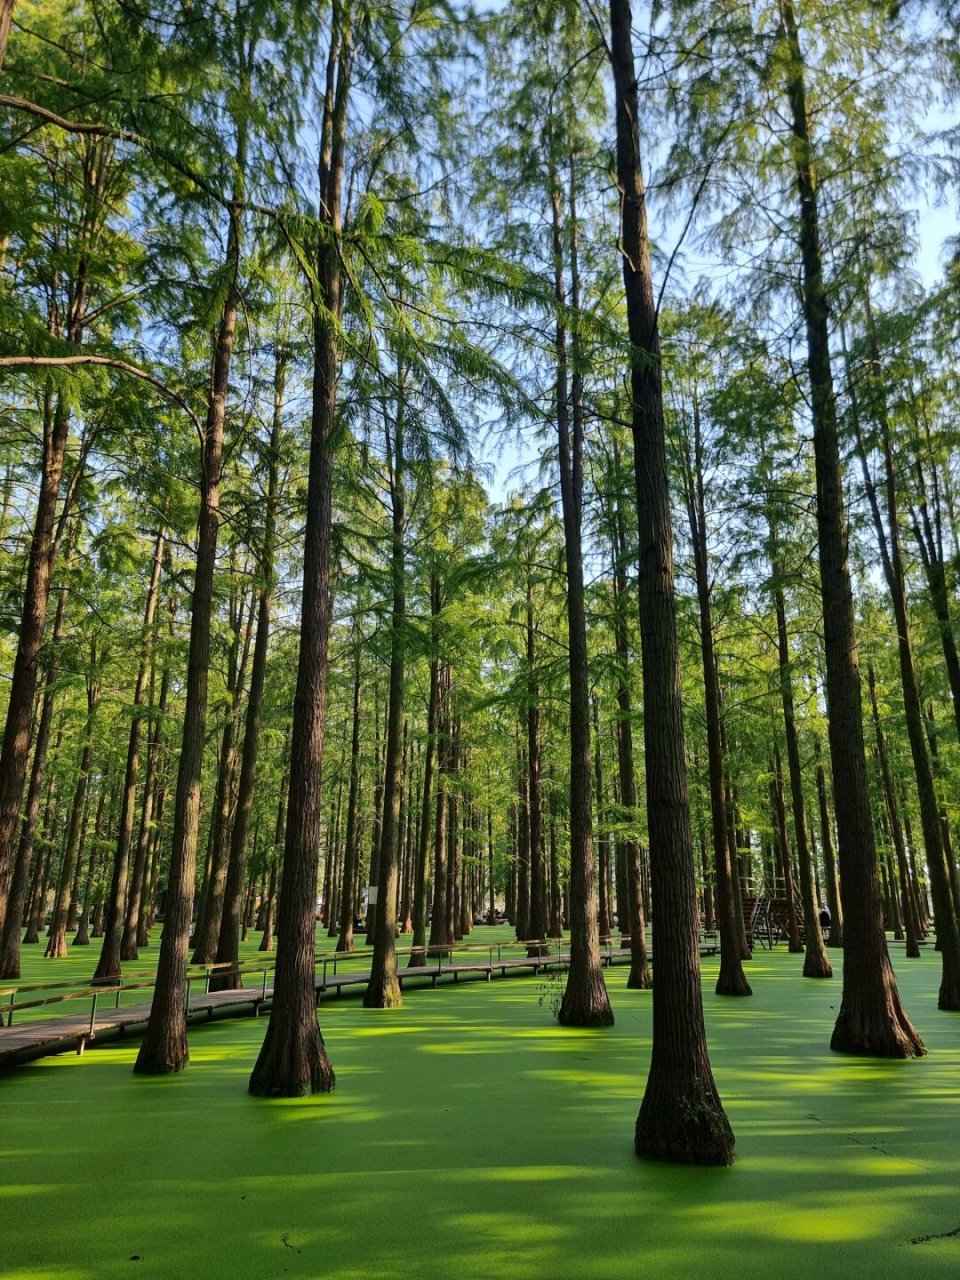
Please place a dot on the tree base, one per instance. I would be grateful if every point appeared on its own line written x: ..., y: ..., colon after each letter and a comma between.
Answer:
x: 731, y: 980
x: 293, y: 1062
x: 639, y: 978
x: 167, y: 1061
x: 585, y: 1001
x: 56, y: 945
x: 383, y: 995
x: 881, y: 1036
x: 693, y: 1130
x: 817, y: 965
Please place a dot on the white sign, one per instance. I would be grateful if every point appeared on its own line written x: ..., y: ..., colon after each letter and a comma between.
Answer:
x: 372, y: 896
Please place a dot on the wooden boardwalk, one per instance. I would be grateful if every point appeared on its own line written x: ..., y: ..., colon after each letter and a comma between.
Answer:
x: 107, y: 1018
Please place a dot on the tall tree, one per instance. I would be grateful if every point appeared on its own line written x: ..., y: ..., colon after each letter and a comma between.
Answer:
x: 681, y: 1117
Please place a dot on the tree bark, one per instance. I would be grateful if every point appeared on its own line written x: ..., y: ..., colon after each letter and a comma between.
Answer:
x: 871, y: 1019
x: 293, y: 1059
x: 681, y: 1117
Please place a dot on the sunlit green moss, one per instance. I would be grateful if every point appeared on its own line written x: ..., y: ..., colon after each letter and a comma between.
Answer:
x: 470, y: 1136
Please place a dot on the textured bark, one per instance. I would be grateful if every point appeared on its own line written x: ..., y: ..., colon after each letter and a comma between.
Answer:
x: 6, y: 17
x: 293, y: 1059
x: 681, y: 1117
x: 871, y: 1019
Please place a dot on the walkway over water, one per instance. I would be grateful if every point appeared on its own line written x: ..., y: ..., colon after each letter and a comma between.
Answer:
x: 104, y: 1013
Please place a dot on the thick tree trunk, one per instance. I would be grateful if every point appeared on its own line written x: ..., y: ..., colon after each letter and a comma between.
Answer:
x: 871, y: 1019
x: 293, y: 1059
x: 681, y: 1117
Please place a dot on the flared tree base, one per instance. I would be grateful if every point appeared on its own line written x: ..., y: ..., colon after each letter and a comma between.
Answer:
x: 732, y: 981
x: 817, y: 965
x: 692, y: 1129
x: 56, y: 945
x: 884, y: 1033
x: 585, y: 1001
x: 385, y: 994
x: 293, y: 1062
x: 164, y: 1059
x: 639, y: 978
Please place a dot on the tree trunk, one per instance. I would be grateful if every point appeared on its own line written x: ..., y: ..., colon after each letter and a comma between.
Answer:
x: 348, y: 905
x: 383, y: 989
x: 293, y: 1060
x: 731, y: 980
x: 15, y: 752
x: 585, y: 1002
x: 164, y: 1046
x: 871, y: 1019
x: 816, y: 963
x: 12, y: 923
x: 536, y: 919
x: 108, y: 966
x: 57, y: 942
x: 639, y: 978
x: 681, y: 1117
x: 835, y: 938
x: 945, y: 904
x: 910, y: 920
